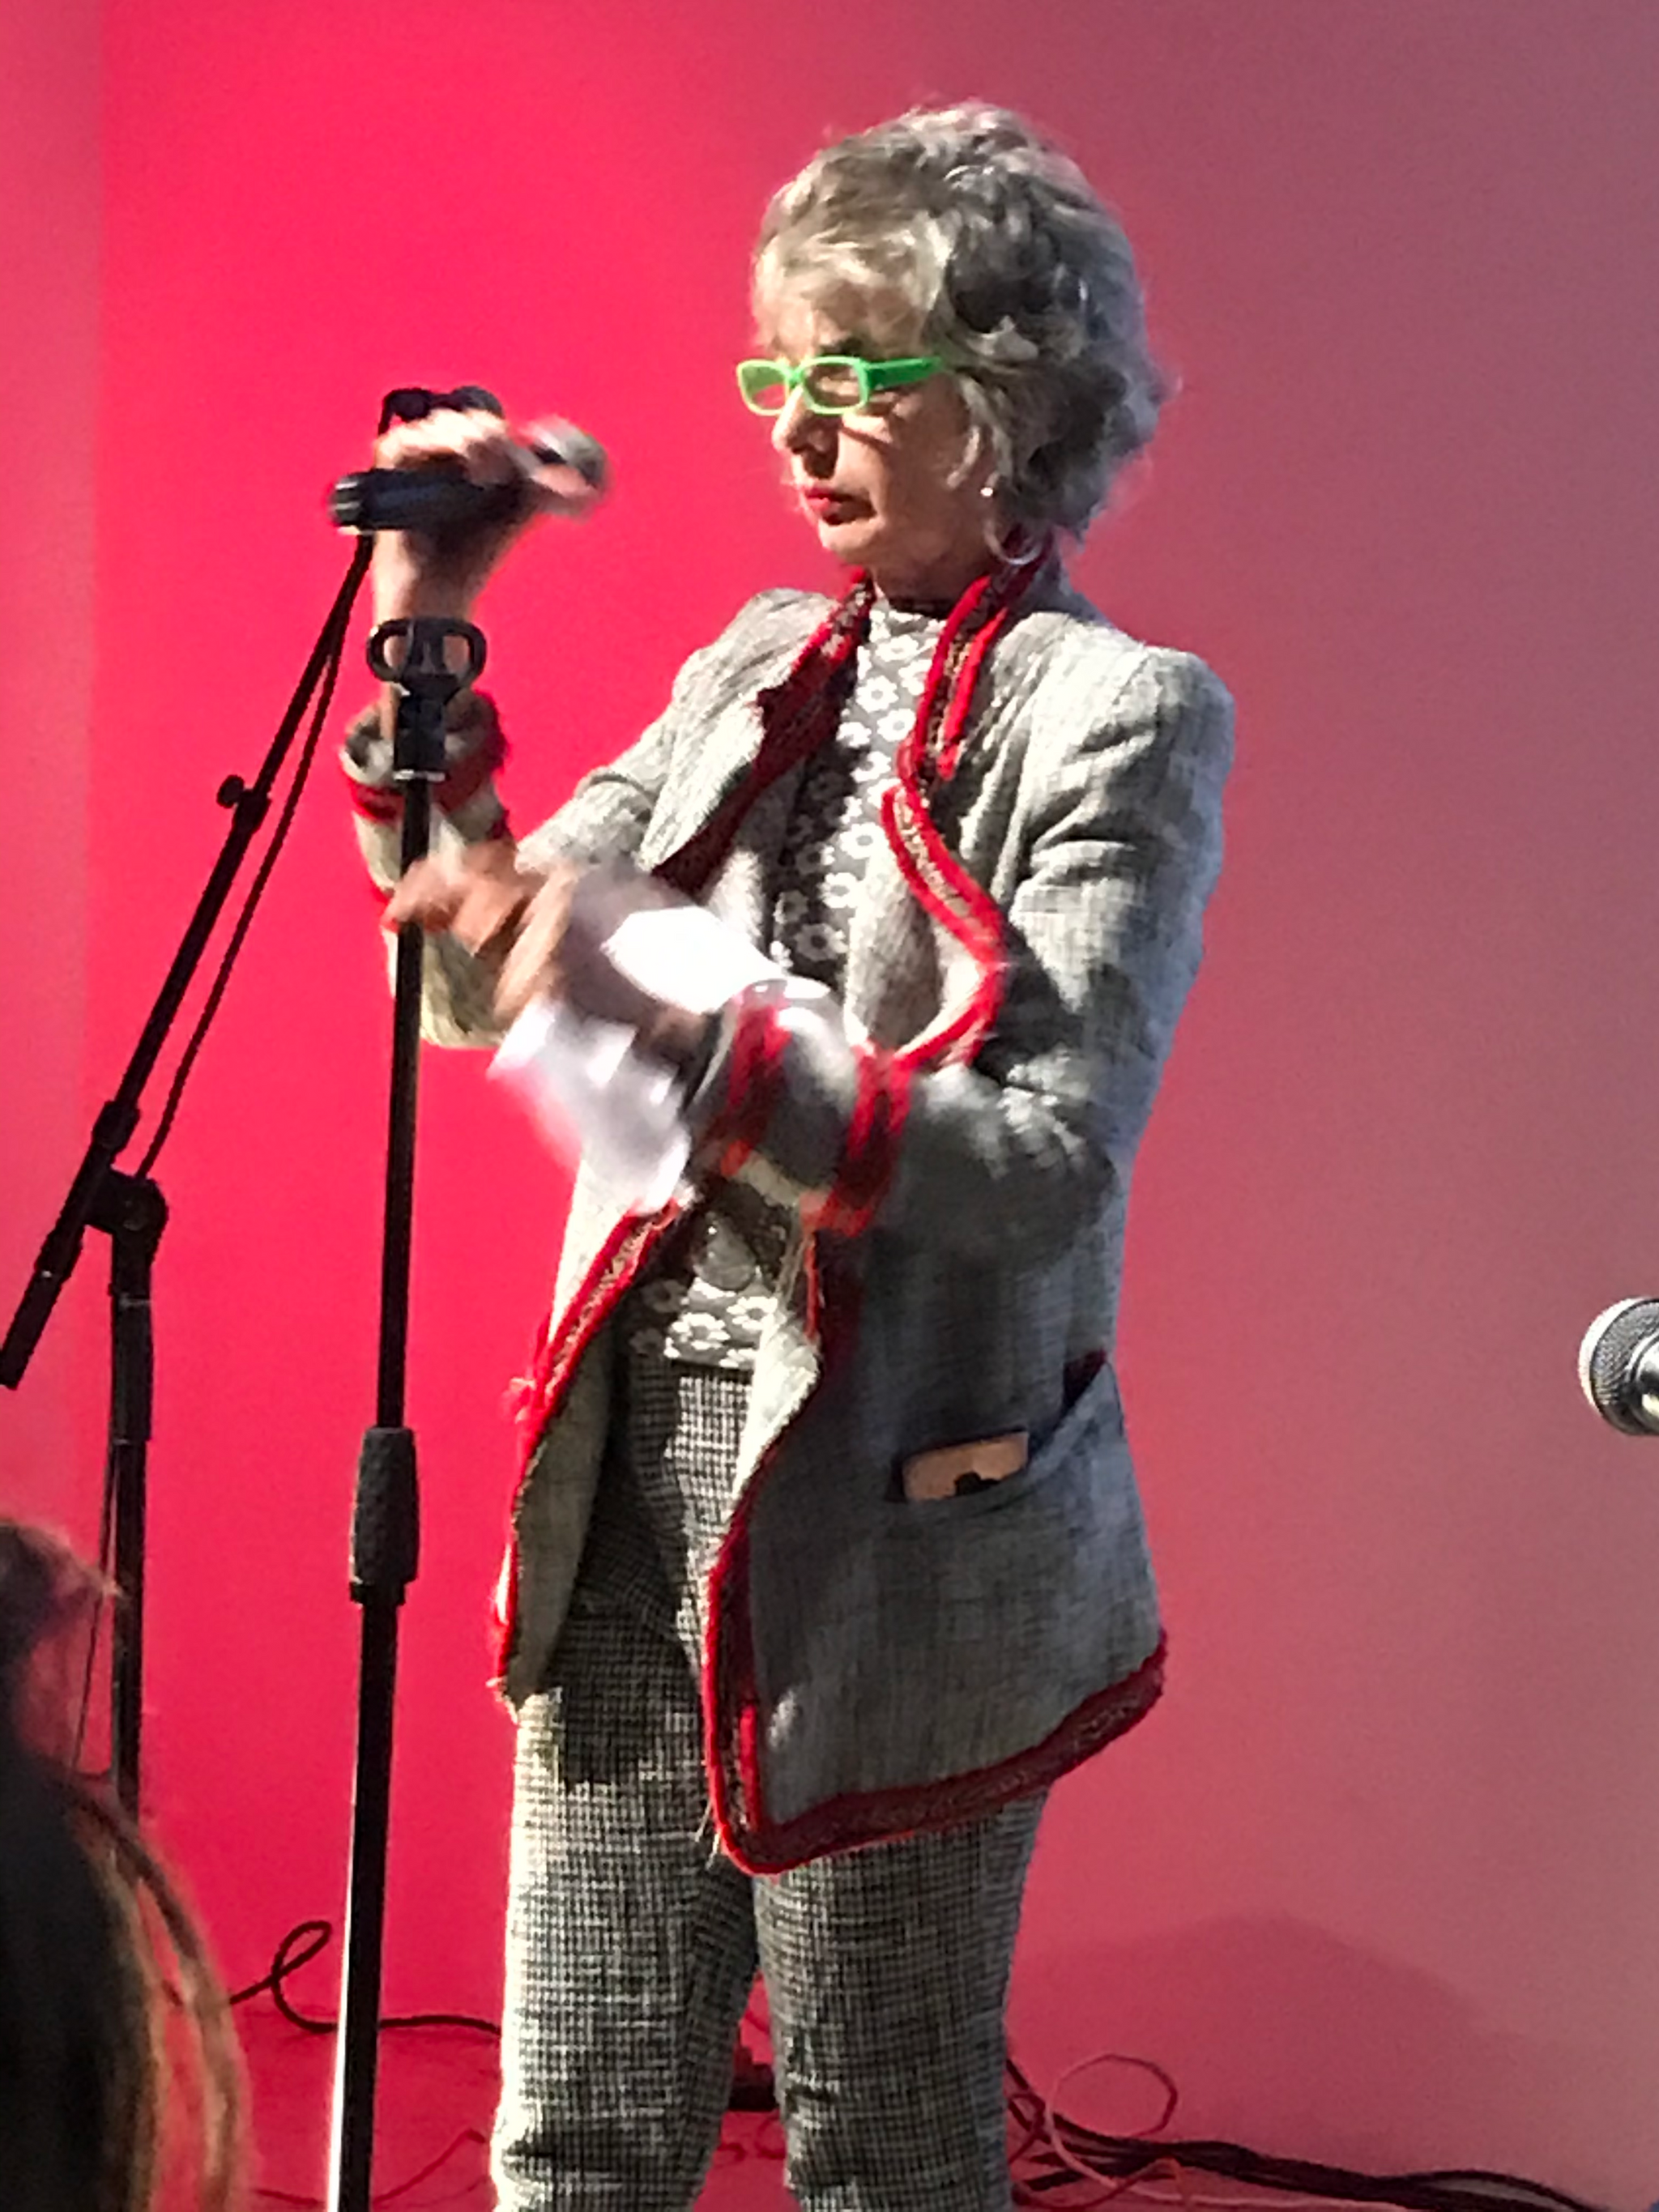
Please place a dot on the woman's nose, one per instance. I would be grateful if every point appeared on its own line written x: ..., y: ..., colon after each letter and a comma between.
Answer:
x: 798, y: 428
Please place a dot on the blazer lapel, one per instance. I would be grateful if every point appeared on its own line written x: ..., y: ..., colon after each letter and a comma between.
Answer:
x: 896, y: 957
x: 915, y: 968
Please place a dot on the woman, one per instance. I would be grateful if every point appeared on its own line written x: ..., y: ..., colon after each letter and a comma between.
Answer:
x: 827, y: 1535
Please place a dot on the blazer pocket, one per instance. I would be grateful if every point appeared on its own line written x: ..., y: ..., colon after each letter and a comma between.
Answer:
x: 1091, y: 1426
x: 959, y: 1470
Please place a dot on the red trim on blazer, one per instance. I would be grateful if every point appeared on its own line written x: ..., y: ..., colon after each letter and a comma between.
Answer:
x: 754, y: 1077
x: 380, y: 803
x: 469, y: 776
x: 760, y: 1844
x: 943, y: 888
x: 798, y: 714
x: 539, y: 1397
x: 955, y: 721
x: 726, y: 1754
x: 384, y: 803
x: 730, y: 1696
x: 921, y: 747
x: 870, y: 1149
x: 928, y: 870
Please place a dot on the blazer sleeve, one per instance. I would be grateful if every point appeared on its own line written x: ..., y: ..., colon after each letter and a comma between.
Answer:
x: 604, y: 817
x: 1120, y: 850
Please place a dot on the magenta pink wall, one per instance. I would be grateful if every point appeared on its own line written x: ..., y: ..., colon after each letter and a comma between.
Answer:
x: 50, y: 192
x: 1382, y: 1882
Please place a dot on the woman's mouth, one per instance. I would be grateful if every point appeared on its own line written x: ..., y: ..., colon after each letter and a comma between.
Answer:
x: 824, y: 504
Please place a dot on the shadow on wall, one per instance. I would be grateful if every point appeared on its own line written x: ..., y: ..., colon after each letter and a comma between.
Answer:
x: 1282, y: 2036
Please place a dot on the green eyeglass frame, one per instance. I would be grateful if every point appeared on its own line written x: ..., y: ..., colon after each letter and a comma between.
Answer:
x: 830, y: 383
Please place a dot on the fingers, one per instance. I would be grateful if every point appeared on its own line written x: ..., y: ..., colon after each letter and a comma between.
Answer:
x: 560, y: 947
x: 556, y: 487
x: 415, y: 573
x: 546, y: 934
x: 480, y: 901
x: 421, y: 573
x: 533, y: 961
x: 480, y: 445
x: 486, y: 451
x: 429, y: 893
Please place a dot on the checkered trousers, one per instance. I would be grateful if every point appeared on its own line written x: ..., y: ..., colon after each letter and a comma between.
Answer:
x: 633, y: 1942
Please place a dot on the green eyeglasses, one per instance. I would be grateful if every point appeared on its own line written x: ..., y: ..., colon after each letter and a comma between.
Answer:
x: 830, y: 383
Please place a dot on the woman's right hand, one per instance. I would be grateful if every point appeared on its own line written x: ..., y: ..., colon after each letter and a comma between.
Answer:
x: 547, y: 932
x: 481, y: 899
x: 417, y: 573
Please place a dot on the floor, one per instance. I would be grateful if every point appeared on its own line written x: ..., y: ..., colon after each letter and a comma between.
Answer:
x: 436, y: 2093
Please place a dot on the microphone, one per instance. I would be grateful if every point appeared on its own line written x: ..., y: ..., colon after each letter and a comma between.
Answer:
x: 1618, y: 1366
x: 439, y: 499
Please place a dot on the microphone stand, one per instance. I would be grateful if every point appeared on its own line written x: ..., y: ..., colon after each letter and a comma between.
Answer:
x: 413, y: 654
x: 132, y: 1211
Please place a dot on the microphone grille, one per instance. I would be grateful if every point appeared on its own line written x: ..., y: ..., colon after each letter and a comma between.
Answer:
x: 1608, y: 1358
x: 562, y: 443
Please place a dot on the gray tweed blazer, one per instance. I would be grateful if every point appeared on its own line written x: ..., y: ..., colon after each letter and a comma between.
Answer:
x: 880, y: 1659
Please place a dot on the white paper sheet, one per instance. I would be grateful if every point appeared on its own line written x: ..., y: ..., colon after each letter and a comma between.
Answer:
x: 589, y: 1088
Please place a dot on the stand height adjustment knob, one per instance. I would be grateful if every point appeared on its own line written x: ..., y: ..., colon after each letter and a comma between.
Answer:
x: 386, y: 1520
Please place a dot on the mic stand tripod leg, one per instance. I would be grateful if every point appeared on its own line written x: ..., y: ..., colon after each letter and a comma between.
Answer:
x: 416, y: 655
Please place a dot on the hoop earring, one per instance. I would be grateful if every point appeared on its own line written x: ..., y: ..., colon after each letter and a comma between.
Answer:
x: 1017, y: 548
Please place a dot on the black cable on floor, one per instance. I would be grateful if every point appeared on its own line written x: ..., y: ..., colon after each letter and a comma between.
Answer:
x: 301, y: 1944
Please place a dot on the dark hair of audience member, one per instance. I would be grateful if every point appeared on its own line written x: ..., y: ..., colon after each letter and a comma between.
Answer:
x: 117, y: 2056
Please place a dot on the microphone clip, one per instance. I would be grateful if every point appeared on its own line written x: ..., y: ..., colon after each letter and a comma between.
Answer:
x: 429, y: 657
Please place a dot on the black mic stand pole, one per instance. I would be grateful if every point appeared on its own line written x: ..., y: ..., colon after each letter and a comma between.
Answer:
x: 132, y: 1211
x: 385, y: 1515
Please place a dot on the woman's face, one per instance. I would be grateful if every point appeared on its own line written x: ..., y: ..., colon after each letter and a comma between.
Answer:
x: 898, y: 487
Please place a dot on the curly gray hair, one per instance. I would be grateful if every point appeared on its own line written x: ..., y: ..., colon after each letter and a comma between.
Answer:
x: 989, y: 248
